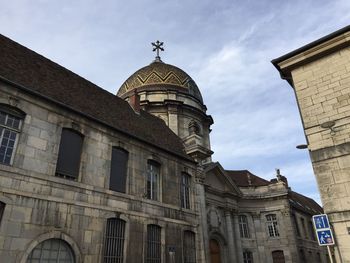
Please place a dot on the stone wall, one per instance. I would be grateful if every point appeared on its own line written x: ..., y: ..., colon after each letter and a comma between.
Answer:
x: 40, y: 205
x: 323, y: 91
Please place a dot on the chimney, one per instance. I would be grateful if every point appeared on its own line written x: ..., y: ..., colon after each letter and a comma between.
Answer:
x: 134, y: 102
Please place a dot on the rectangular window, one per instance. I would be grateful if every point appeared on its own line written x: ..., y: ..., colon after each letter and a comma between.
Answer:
x: 153, y: 170
x: 154, y: 248
x: 189, y: 247
x: 10, y: 126
x: 185, y: 190
x: 272, y: 225
x: 119, y: 166
x: 68, y: 162
x: 312, y: 231
x: 304, y: 228
x: 243, y: 226
x: 114, y: 241
x: 296, y: 226
x: 2, y: 209
x: 247, y: 257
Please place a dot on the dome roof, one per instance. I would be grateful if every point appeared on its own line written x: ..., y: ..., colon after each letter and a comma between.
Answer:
x: 162, y: 75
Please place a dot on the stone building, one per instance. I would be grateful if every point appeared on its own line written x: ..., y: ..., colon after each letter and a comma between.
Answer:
x: 86, y: 176
x: 251, y: 219
x: 320, y: 75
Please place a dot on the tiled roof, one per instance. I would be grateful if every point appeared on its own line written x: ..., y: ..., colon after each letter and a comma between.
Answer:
x: 241, y: 178
x: 304, y: 203
x: 42, y: 77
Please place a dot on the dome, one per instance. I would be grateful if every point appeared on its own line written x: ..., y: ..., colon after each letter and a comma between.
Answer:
x: 159, y: 75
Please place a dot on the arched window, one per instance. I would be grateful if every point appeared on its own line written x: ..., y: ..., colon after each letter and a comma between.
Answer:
x: 119, y: 167
x: 247, y: 256
x: 51, y: 250
x: 272, y: 225
x: 68, y: 162
x: 154, y: 244
x: 10, y: 125
x: 114, y: 241
x: 185, y: 190
x: 243, y: 226
x: 189, y: 247
x: 153, y: 177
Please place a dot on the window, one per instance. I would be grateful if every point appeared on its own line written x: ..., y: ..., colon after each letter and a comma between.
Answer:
x: 296, y: 226
x: 68, y: 162
x: 53, y: 251
x: 189, y: 247
x: 272, y: 226
x: 114, y: 241
x: 153, y: 170
x: 302, y: 255
x: 243, y: 226
x: 304, y: 228
x: 119, y: 167
x: 154, y: 249
x: 312, y: 231
x: 2, y: 209
x: 247, y: 257
x: 185, y: 190
x: 10, y: 126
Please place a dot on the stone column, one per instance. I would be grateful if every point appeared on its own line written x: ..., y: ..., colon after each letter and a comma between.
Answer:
x: 231, y: 238
x: 260, y: 236
x: 201, y: 209
x: 238, y: 242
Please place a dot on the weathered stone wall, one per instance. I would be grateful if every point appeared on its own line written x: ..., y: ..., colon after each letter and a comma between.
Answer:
x: 39, y: 204
x: 323, y: 92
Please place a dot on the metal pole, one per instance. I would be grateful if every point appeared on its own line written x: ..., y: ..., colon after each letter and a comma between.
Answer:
x: 330, y: 255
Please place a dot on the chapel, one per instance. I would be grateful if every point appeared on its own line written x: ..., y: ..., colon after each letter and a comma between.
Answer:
x: 90, y: 176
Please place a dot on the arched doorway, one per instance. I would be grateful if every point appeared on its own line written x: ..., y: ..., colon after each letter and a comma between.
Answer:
x: 214, y: 248
x: 278, y: 256
x: 51, y: 250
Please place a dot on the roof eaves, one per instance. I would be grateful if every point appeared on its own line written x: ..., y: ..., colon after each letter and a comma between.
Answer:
x: 304, y: 48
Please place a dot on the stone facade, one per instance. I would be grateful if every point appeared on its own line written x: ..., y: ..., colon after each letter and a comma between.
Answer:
x: 238, y: 219
x: 199, y: 207
x: 320, y: 76
x: 40, y: 205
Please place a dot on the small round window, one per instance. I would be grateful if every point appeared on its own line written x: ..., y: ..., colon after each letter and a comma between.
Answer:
x: 51, y: 251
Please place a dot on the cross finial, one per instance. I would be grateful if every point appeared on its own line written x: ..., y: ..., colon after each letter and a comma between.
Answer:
x: 156, y: 47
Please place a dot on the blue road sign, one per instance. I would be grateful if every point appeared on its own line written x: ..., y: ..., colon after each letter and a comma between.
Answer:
x: 320, y: 221
x: 325, y: 237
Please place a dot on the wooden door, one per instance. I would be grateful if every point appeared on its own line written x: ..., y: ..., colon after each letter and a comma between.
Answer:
x: 214, y: 251
x: 278, y: 256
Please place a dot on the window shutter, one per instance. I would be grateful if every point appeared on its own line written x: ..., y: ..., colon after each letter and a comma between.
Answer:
x: 117, y: 181
x: 68, y: 162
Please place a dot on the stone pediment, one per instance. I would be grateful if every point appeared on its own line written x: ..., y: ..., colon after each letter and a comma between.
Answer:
x: 217, y: 180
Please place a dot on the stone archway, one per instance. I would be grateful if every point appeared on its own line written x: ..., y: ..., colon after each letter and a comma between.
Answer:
x: 215, y: 251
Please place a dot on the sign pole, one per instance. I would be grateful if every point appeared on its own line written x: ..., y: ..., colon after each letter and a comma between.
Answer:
x: 330, y: 255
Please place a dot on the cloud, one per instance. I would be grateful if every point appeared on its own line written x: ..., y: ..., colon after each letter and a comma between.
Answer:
x: 225, y: 46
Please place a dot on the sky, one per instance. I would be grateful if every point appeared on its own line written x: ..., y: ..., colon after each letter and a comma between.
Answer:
x: 225, y: 45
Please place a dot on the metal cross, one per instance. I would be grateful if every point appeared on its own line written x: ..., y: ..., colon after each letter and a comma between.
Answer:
x: 156, y: 47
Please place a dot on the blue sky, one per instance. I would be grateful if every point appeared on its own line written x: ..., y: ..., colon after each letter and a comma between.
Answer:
x: 225, y: 45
